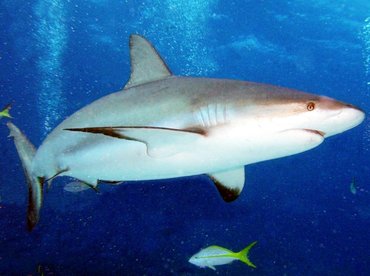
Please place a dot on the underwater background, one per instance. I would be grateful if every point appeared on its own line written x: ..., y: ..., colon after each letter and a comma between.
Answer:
x: 57, y: 56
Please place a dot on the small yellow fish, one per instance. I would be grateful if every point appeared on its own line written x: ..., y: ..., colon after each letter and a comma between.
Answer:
x: 217, y: 255
x: 5, y: 111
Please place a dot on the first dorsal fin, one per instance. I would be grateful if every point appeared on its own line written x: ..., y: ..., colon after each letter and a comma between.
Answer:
x: 146, y: 63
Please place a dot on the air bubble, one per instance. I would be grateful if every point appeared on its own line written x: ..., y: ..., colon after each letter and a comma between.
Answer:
x: 365, y: 35
x: 185, y: 25
x: 51, y: 36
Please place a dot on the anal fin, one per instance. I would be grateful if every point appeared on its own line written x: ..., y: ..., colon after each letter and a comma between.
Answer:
x: 110, y: 182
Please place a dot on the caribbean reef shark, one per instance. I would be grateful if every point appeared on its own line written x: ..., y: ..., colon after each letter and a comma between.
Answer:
x: 164, y: 126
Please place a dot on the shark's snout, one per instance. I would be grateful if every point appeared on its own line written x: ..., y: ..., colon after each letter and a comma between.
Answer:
x: 340, y: 116
x: 352, y: 115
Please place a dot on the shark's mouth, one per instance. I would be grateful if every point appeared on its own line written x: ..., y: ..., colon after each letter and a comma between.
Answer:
x: 315, y: 131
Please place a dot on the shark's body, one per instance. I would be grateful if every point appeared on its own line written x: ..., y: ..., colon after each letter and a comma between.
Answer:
x: 162, y: 126
x: 173, y: 103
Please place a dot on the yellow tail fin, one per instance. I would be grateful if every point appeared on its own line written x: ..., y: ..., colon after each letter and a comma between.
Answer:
x: 243, y: 255
x: 5, y: 111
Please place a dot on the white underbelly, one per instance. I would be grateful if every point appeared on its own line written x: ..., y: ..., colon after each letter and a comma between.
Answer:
x: 120, y: 160
x: 129, y: 161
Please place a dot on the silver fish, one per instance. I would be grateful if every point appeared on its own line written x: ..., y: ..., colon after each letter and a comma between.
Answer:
x: 216, y: 255
x: 76, y: 187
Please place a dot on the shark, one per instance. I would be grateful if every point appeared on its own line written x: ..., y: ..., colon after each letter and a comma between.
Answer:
x: 163, y: 126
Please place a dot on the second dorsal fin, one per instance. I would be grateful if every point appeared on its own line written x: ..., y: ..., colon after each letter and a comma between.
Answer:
x: 146, y: 63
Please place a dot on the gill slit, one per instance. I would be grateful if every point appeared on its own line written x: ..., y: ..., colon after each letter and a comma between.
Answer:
x: 216, y: 114
x: 201, y: 117
x: 209, y: 116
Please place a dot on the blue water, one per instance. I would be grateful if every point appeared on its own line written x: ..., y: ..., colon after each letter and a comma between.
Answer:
x: 57, y: 56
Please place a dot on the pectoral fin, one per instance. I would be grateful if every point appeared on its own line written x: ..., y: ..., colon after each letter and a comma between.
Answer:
x: 229, y: 183
x: 160, y: 141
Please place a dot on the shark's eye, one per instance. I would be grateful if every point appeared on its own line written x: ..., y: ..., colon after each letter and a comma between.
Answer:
x: 310, y: 106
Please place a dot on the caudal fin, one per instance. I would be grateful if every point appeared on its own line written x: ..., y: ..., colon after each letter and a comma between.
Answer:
x: 243, y: 255
x: 26, y: 152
